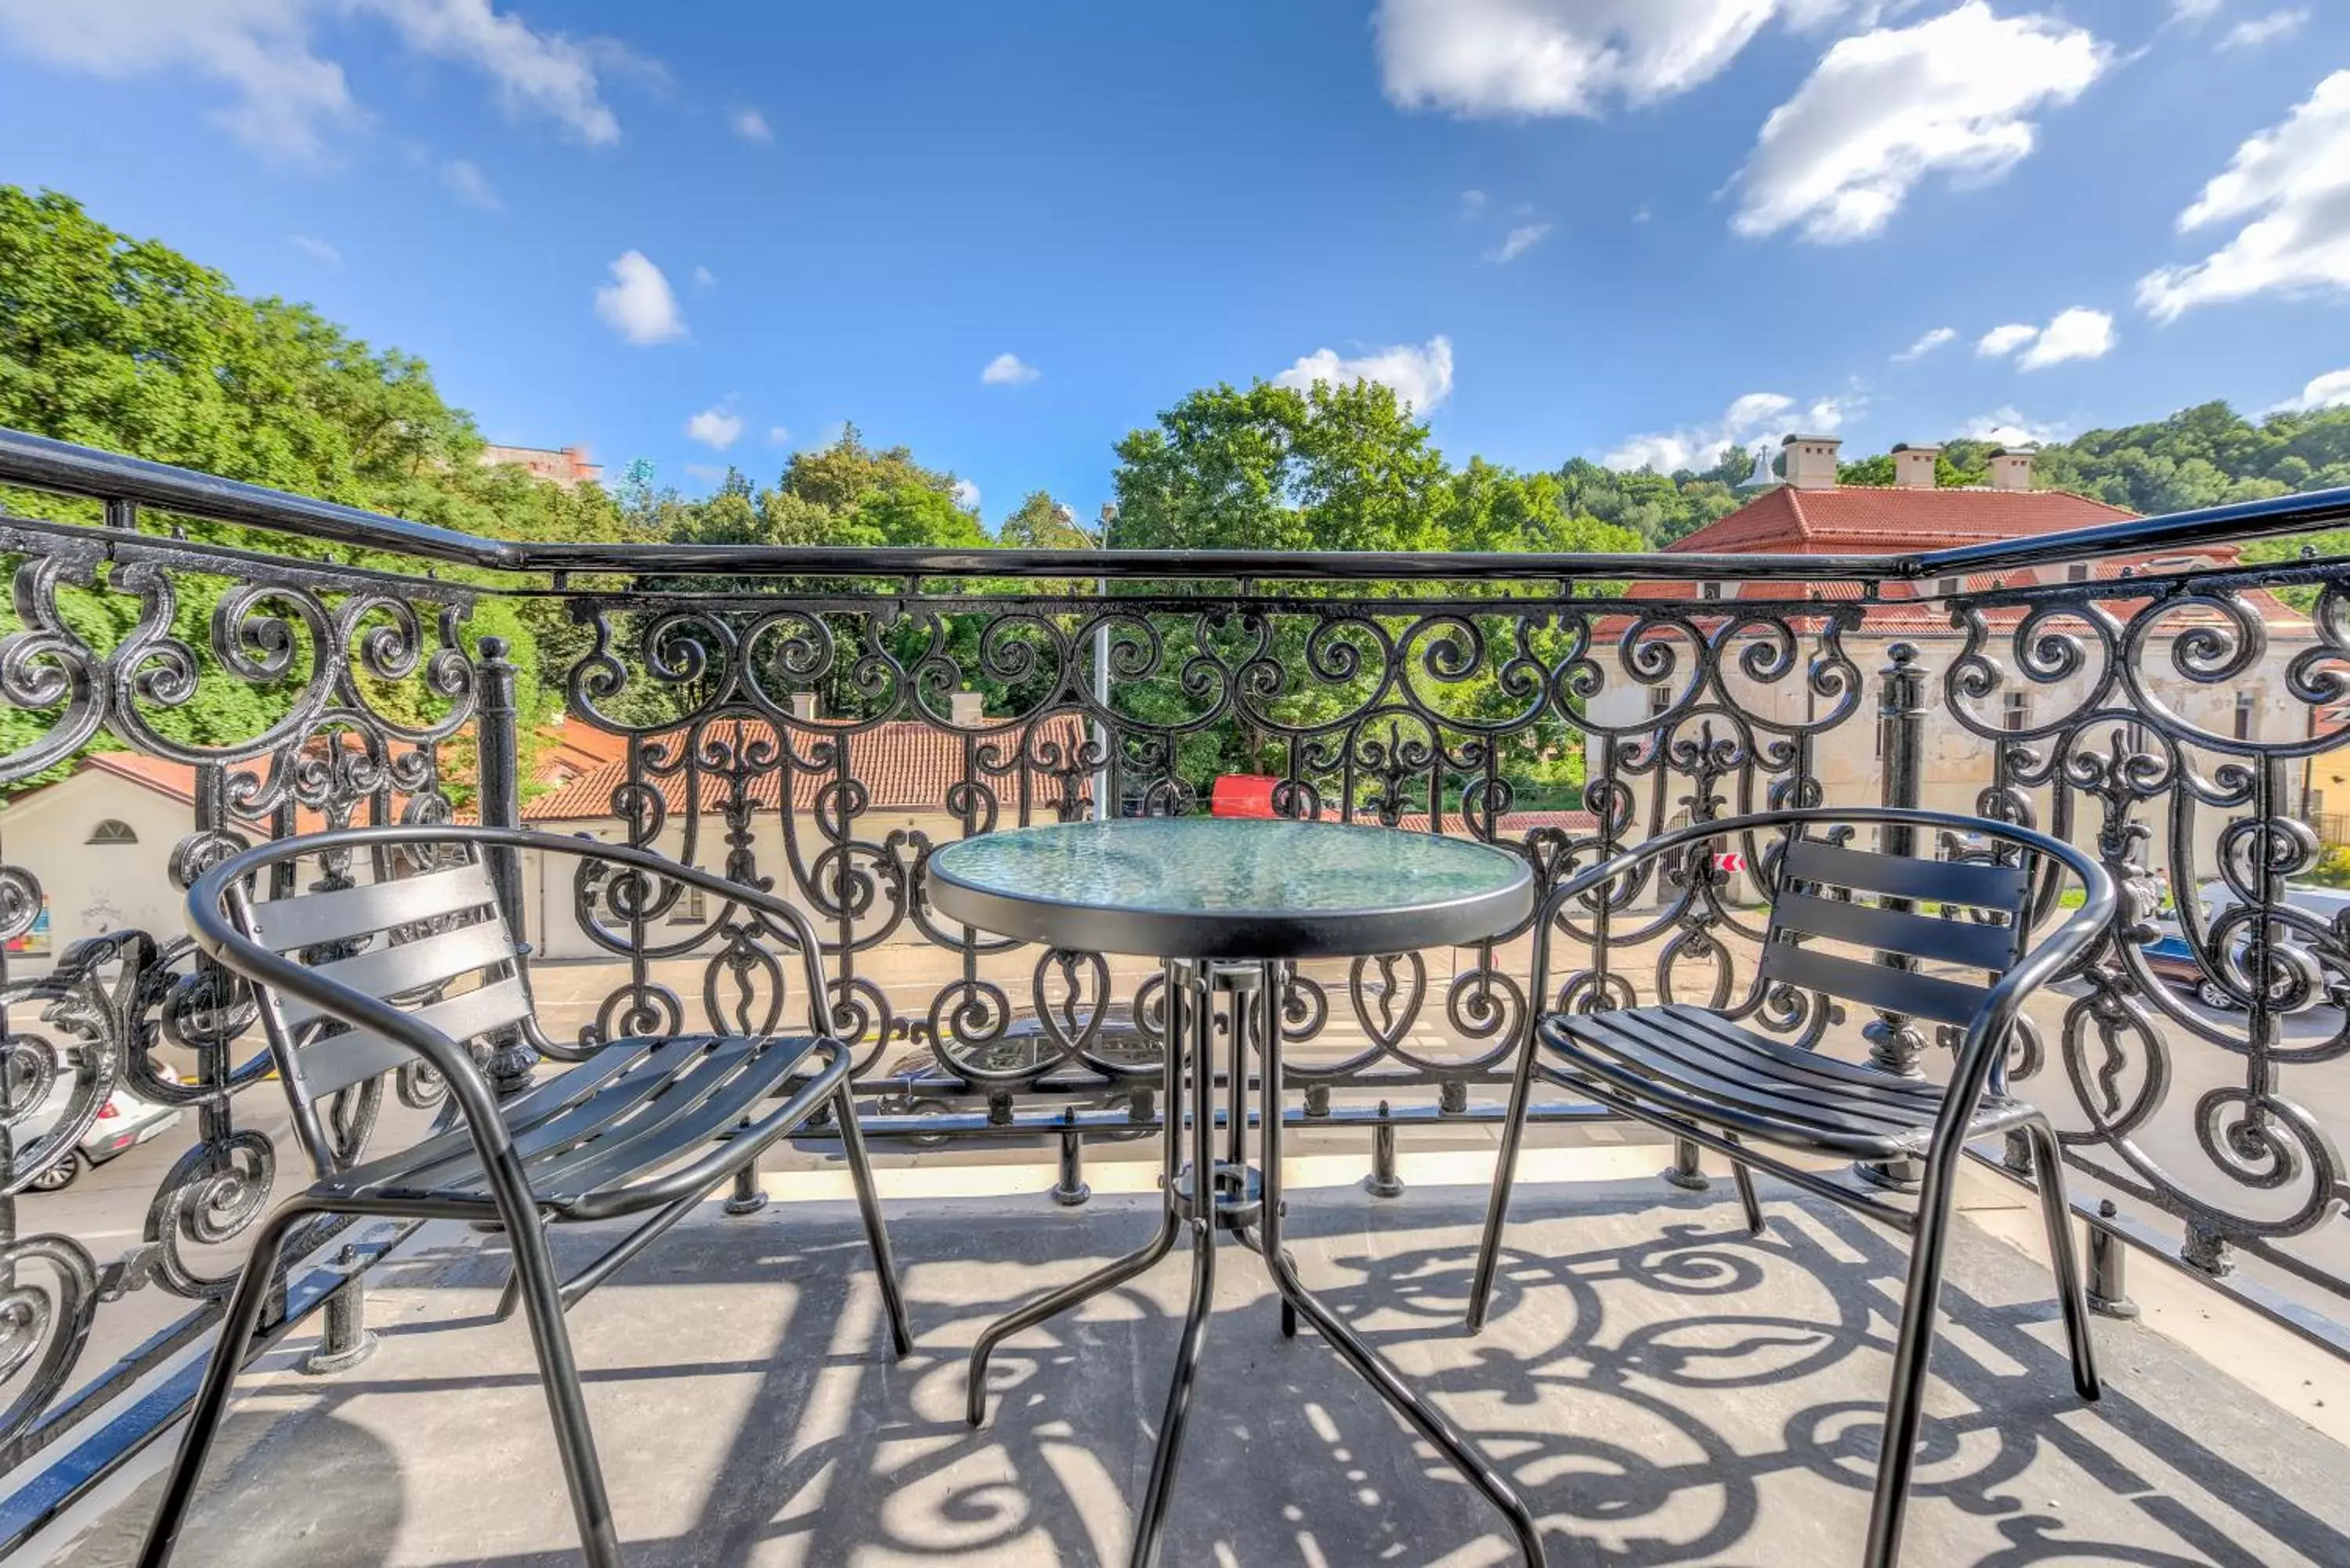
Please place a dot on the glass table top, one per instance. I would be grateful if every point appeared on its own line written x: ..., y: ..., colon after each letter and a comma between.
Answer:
x: 1176, y: 885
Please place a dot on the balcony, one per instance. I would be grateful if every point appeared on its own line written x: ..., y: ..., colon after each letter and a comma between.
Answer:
x: 1663, y: 1386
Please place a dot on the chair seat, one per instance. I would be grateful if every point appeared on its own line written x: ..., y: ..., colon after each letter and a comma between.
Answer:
x: 1694, y: 1064
x: 633, y: 1107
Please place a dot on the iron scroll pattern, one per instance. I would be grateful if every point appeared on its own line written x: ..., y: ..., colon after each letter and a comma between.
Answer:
x: 2175, y: 725
x: 1427, y: 713
x: 354, y: 682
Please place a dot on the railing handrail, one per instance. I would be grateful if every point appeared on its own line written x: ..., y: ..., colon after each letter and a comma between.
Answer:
x: 40, y: 463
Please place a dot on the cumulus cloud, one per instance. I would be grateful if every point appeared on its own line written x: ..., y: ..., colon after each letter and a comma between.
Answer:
x: 704, y: 279
x: 714, y: 428
x: 1884, y: 109
x: 1927, y: 344
x: 1518, y: 241
x: 471, y: 186
x: 1007, y: 370
x: 285, y: 97
x: 1521, y: 57
x: 311, y: 245
x: 1755, y: 419
x: 1420, y: 376
x: 750, y: 125
x: 2251, y: 33
x: 1471, y: 202
x: 639, y: 303
x: 966, y: 495
x: 777, y: 435
x: 2075, y: 334
x: 2290, y: 188
x: 2012, y: 427
x: 2331, y: 390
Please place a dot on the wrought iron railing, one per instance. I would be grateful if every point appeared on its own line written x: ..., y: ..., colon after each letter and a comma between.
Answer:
x: 821, y: 720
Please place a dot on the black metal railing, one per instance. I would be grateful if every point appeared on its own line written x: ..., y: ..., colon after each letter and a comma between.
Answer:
x: 820, y: 720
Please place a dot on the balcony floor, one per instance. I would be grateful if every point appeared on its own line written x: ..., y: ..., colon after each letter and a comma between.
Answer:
x: 1662, y: 1387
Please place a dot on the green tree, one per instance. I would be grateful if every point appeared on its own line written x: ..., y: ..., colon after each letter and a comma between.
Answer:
x: 1041, y: 523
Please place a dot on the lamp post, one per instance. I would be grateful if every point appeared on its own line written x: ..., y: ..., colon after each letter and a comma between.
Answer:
x: 1098, y: 540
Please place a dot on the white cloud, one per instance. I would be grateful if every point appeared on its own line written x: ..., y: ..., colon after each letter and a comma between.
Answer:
x: 2194, y: 13
x: 1471, y: 202
x: 542, y: 73
x: 1757, y: 418
x: 2331, y: 390
x: 473, y: 187
x: 2291, y: 186
x: 1885, y: 109
x: 2257, y: 30
x: 1007, y: 370
x: 750, y: 125
x: 714, y: 428
x: 2075, y: 334
x: 1518, y: 241
x: 1420, y: 376
x: 777, y: 435
x: 704, y: 279
x: 1927, y: 344
x: 708, y: 473
x: 966, y: 495
x: 2012, y: 427
x: 639, y: 303
x: 2001, y: 341
x: 1516, y: 58
x: 311, y: 245
x: 285, y: 98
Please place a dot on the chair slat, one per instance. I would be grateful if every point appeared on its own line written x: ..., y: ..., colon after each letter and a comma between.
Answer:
x: 1900, y: 877
x: 312, y: 920
x: 336, y: 1062
x: 396, y: 968
x: 1873, y: 984
x: 684, y: 1119
x: 1959, y: 941
x: 1667, y: 1050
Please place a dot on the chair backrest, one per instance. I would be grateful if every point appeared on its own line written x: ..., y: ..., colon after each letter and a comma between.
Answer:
x: 430, y: 938
x: 1947, y: 914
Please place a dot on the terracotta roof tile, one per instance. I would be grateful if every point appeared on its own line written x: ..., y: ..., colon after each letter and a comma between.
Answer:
x: 1870, y: 519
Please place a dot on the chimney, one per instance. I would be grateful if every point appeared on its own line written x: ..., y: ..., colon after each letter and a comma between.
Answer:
x: 2011, y: 467
x: 804, y: 706
x: 966, y: 710
x: 1810, y: 461
x: 1913, y: 466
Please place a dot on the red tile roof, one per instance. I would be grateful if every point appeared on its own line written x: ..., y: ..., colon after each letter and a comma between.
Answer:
x: 1856, y: 519
x: 903, y: 764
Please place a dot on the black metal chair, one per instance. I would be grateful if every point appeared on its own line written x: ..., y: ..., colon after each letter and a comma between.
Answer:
x: 357, y: 981
x: 1697, y: 1073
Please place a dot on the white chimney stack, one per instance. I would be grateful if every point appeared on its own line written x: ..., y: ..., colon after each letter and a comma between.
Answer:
x: 804, y: 706
x: 966, y: 710
x: 1812, y: 461
x: 2011, y: 467
x: 1913, y: 466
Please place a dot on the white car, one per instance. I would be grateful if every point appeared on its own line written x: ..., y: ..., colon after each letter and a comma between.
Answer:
x: 124, y: 1122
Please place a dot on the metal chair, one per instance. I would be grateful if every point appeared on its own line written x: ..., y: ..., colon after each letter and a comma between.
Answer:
x: 1697, y: 1073
x: 361, y: 980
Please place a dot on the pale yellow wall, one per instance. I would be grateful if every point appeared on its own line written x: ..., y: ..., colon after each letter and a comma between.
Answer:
x: 94, y: 889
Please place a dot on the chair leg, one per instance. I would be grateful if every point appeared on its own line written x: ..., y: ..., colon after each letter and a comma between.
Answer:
x: 220, y: 1376
x: 1505, y: 1175
x: 1744, y: 1177
x: 868, y: 1205
x: 542, y: 1300
x: 2063, y: 1255
x: 1913, y: 1349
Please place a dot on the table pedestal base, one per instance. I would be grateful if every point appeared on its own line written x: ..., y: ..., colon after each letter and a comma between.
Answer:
x: 1245, y: 1199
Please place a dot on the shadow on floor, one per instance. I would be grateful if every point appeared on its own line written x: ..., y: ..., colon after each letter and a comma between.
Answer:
x: 1662, y: 1388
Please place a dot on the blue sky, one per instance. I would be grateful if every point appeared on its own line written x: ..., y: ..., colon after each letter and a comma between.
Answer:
x: 1625, y: 228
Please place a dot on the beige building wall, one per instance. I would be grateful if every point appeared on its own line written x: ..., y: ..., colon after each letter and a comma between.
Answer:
x: 94, y: 889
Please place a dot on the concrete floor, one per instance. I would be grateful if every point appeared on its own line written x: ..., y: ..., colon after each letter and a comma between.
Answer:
x: 1661, y: 1387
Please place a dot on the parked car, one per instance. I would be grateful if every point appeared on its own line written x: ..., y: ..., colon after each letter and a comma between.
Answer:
x: 124, y: 1122
x: 2173, y: 962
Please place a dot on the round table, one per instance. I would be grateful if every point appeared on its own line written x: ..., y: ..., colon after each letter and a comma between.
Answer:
x: 1227, y: 904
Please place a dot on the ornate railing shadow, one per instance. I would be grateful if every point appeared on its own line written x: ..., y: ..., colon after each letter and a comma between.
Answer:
x: 2135, y: 687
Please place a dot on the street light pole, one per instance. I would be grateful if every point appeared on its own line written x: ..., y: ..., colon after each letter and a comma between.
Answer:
x: 1098, y: 540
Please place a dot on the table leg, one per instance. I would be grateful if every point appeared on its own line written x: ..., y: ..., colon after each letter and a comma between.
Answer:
x: 1112, y: 1274
x: 1151, y: 1524
x: 1341, y: 1338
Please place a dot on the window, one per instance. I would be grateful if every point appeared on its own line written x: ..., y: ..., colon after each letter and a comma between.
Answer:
x: 2247, y: 715
x: 2078, y: 572
x: 2015, y: 711
x: 692, y: 907
x: 113, y: 831
x: 1949, y: 588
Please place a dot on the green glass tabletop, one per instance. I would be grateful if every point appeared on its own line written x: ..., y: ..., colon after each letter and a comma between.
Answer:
x: 1230, y: 888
